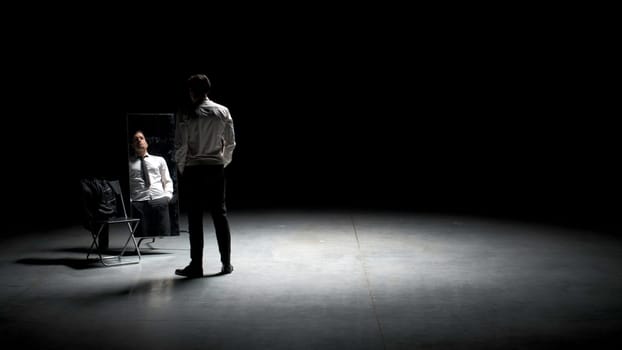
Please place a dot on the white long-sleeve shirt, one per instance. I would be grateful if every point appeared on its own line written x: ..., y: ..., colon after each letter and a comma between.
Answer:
x: 204, y: 136
x: 159, y: 177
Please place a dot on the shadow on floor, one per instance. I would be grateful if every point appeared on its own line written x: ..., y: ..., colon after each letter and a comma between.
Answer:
x: 74, y: 263
x: 157, y: 287
x: 169, y: 283
x: 113, y: 251
x: 81, y: 263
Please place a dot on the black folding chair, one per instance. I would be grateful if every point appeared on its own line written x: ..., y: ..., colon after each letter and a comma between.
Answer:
x: 118, y: 216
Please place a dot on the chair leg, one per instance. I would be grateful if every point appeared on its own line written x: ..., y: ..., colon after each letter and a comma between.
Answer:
x: 132, y: 230
x: 103, y: 259
x: 94, y: 243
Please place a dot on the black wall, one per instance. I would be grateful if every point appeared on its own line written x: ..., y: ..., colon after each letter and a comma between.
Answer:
x: 470, y: 120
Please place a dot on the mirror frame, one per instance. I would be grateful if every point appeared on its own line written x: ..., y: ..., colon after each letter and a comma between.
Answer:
x: 159, y: 130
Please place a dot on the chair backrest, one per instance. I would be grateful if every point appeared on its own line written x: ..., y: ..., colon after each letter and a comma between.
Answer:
x: 102, y: 199
x: 116, y: 187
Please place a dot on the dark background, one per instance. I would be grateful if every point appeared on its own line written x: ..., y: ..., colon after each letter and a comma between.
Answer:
x: 497, y: 117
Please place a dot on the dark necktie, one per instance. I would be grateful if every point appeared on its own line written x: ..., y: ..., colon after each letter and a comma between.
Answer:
x: 144, y: 172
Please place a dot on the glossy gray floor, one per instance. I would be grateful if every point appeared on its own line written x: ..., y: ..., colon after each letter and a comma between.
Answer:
x: 323, y: 280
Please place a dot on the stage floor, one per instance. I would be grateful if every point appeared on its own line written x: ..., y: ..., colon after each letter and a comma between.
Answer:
x: 322, y: 280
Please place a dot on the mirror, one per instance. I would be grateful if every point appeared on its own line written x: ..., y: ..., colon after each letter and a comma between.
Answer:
x: 153, y: 198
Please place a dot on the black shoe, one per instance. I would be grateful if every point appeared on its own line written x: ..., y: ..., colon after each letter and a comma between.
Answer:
x: 226, y: 269
x: 190, y: 271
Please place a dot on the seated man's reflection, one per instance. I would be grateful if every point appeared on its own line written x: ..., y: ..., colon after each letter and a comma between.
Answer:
x: 151, y: 189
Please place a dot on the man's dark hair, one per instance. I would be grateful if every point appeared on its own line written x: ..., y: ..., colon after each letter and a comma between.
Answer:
x: 199, y: 84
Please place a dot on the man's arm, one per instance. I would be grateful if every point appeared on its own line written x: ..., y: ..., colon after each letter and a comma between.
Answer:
x: 181, y: 143
x: 167, y: 182
x: 229, y: 138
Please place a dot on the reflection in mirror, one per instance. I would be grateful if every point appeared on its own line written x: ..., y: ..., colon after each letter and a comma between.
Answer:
x: 153, y: 173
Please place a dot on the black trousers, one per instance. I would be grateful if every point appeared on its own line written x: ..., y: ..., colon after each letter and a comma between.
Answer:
x: 205, y: 188
x: 154, y: 217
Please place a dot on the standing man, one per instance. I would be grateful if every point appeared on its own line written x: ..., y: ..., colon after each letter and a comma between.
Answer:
x: 204, y: 143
